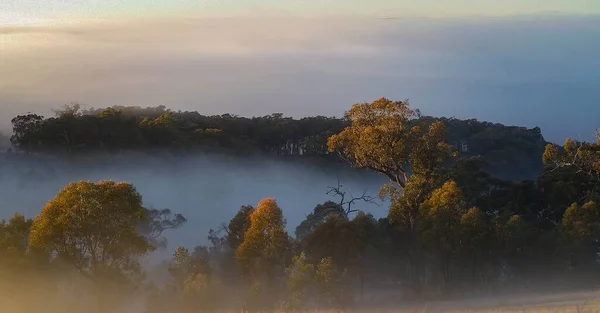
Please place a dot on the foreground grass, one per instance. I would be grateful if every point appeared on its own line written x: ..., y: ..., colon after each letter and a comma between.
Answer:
x: 560, y: 309
x: 576, y: 302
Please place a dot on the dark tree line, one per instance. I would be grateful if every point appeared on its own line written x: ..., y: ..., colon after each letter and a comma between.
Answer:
x: 452, y: 228
x: 511, y: 152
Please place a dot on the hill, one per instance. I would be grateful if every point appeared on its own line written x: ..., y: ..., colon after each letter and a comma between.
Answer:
x: 511, y: 152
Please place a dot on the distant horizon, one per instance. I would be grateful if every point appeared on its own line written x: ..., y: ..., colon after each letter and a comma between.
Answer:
x: 14, y: 11
x: 528, y: 70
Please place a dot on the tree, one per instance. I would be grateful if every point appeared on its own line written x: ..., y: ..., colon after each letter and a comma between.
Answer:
x: 581, y: 158
x: 184, y: 265
x: 344, y: 242
x: 440, y: 221
x: 580, y: 228
x: 68, y: 110
x: 516, y: 239
x: 390, y: 138
x: 330, y: 284
x: 384, y: 138
x: 319, y: 214
x: 94, y: 227
x: 157, y: 221
x: 14, y: 244
x: 265, y: 241
x: 195, y: 288
x: 347, y: 199
x: 475, y: 238
x: 299, y: 280
x: 334, y: 238
x: 364, y: 231
x: 404, y: 217
x: 238, y: 226
x: 201, y: 293
x: 14, y: 235
x: 27, y: 131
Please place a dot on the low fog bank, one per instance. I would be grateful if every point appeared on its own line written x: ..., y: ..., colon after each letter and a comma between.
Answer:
x: 208, y: 189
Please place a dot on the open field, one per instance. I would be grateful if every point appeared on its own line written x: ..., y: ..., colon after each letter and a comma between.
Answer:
x: 580, y: 302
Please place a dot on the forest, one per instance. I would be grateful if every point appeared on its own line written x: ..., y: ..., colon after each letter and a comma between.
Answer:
x: 476, y: 208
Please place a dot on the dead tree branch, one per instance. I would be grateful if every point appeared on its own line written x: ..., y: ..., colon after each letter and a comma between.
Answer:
x: 347, y: 200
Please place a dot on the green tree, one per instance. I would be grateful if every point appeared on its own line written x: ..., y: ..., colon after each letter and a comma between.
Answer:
x: 299, y: 280
x: 332, y: 239
x: 330, y: 283
x: 202, y: 293
x: 237, y: 227
x: 317, y: 217
x: 185, y: 265
x: 15, y: 251
x: 517, y: 239
x: 14, y: 235
x: 157, y: 221
x: 364, y: 232
x: 27, y: 131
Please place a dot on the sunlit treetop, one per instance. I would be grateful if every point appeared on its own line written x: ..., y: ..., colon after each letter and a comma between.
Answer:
x: 95, y: 228
x: 385, y: 136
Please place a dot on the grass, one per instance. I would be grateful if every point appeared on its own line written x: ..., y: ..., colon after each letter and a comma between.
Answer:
x: 549, y: 309
x: 576, y: 302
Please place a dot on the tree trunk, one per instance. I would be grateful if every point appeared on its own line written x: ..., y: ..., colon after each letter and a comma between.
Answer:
x: 416, y: 269
x: 474, y: 267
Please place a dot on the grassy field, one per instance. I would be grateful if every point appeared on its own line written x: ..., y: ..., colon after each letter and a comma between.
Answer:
x: 580, y: 302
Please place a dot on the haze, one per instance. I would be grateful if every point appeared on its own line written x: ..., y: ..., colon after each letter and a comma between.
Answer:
x: 531, y: 70
x: 207, y: 189
x: 517, y: 62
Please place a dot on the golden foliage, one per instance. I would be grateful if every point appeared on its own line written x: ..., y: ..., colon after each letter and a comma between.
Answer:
x: 584, y: 157
x: 441, y: 216
x: 94, y: 227
x: 266, y: 241
x: 582, y: 221
x: 384, y: 137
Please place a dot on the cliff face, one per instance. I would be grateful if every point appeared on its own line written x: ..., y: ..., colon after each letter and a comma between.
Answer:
x: 512, y: 152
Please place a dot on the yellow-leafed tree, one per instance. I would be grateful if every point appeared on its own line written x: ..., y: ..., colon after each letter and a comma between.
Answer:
x: 440, y: 223
x: 95, y: 228
x: 391, y: 138
x: 387, y: 137
x: 265, y: 241
x: 580, y: 229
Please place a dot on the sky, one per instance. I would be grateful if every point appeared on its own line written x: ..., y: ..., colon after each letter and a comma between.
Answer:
x: 528, y: 63
x: 84, y: 9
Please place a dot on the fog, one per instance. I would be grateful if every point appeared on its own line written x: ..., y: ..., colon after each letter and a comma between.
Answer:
x: 530, y: 70
x: 207, y: 189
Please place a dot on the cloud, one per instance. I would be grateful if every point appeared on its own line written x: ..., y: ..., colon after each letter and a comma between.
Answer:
x: 523, y: 70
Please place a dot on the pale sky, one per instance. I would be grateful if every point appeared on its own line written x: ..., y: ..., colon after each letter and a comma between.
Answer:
x: 535, y: 63
x: 28, y: 11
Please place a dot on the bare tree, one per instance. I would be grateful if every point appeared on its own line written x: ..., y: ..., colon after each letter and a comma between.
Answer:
x: 347, y: 200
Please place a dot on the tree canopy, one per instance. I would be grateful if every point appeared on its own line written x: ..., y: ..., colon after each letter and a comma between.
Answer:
x: 453, y: 226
